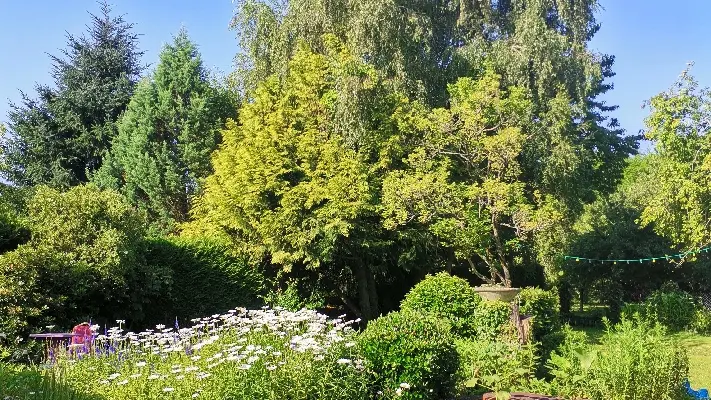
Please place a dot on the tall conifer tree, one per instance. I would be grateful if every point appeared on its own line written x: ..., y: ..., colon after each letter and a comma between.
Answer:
x: 166, y: 136
x: 61, y: 135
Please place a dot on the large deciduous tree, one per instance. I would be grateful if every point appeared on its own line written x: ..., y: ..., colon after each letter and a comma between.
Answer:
x: 539, y: 46
x: 678, y: 124
x: 59, y: 136
x: 171, y: 126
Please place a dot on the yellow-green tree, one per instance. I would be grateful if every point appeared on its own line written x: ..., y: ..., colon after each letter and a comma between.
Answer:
x: 296, y: 179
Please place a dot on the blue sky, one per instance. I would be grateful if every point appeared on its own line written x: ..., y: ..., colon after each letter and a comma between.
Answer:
x: 652, y: 40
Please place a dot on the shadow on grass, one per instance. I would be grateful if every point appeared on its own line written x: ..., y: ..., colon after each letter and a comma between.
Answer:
x: 21, y: 382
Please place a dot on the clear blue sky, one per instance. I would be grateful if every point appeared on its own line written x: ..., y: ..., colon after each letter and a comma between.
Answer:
x: 652, y: 40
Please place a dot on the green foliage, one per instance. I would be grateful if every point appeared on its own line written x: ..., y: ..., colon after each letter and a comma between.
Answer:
x: 426, y: 46
x: 493, y: 320
x: 495, y: 365
x: 631, y: 309
x: 84, y: 261
x: 702, y: 321
x: 539, y: 47
x: 21, y: 301
x: 204, y: 278
x: 543, y: 306
x: 296, y: 180
x: 635, y: 360
x: 411, y: 348
x: 672, y: 308
x: 469, y: 213
x: 62, y: 135
x: 248, y: 355
x: 13, y: 229
x: 680, y: 202
x: 171, y: 126
x: 608, y: 229
x: 447, y: 297
x: 291, y: 299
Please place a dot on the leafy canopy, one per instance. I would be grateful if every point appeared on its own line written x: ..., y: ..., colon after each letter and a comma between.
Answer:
x: 680, y: 205
x: 422, y: 48
x: 296, y: 181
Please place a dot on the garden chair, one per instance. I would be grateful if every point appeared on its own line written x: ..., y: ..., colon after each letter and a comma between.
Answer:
x: 82, y: 339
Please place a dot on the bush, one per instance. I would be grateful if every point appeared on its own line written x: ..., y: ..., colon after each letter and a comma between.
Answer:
x: 543, y: 306
x: 493, y: 321
x: 204, y: 278
x: 21, y: 301
x: 292, y: 299
x: 448, y: 297
x: 563, y: 341
x: 629, y: 310
x: 84, y: 260
x: 702, y: 321
x: 636, y: 360
x: 671, y: 307
x: 495, y: 365
x: 411, y: 348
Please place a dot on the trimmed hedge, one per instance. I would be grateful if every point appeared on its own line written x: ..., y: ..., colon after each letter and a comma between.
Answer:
x: 448, y: 297
x: 543, y: 306
x: 204, y: 278
x: 493, y: 321
x: 411, y: 355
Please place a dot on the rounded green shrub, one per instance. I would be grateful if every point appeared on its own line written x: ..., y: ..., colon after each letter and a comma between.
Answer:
x: 411, y: 356
x: 672, y: 308
x: 85, y: 258
x: 493, y: 320
x: 448, y: 297
x: 543, y: 306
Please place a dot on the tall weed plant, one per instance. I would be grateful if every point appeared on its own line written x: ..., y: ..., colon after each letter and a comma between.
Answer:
x: 634, y: 361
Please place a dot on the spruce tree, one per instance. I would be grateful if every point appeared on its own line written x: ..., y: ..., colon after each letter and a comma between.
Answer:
x: 61, y: 135
x: 166, y: 136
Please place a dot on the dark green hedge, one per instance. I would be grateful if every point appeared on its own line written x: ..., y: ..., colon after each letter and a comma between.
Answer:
x: 205, y: 278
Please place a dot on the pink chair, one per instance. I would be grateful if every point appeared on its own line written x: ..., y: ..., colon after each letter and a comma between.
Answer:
x: 82, y: 338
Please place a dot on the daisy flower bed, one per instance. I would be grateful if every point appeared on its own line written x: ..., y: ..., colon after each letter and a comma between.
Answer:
x: 243, y: 354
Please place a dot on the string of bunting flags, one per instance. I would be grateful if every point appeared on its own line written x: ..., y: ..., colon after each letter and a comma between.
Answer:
x: 666, y: 257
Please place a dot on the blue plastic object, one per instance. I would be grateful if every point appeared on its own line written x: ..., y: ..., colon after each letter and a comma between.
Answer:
x: 701, y: 394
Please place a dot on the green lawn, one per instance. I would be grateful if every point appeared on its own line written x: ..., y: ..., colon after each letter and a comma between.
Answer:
x: 699, y: 348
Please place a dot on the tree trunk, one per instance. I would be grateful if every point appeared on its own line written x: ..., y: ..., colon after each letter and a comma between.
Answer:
x: 373, y: 293
x: 367, y: 297
x: 565, y: 297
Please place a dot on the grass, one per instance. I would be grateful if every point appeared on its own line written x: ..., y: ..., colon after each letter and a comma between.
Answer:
x: 699, y: 348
